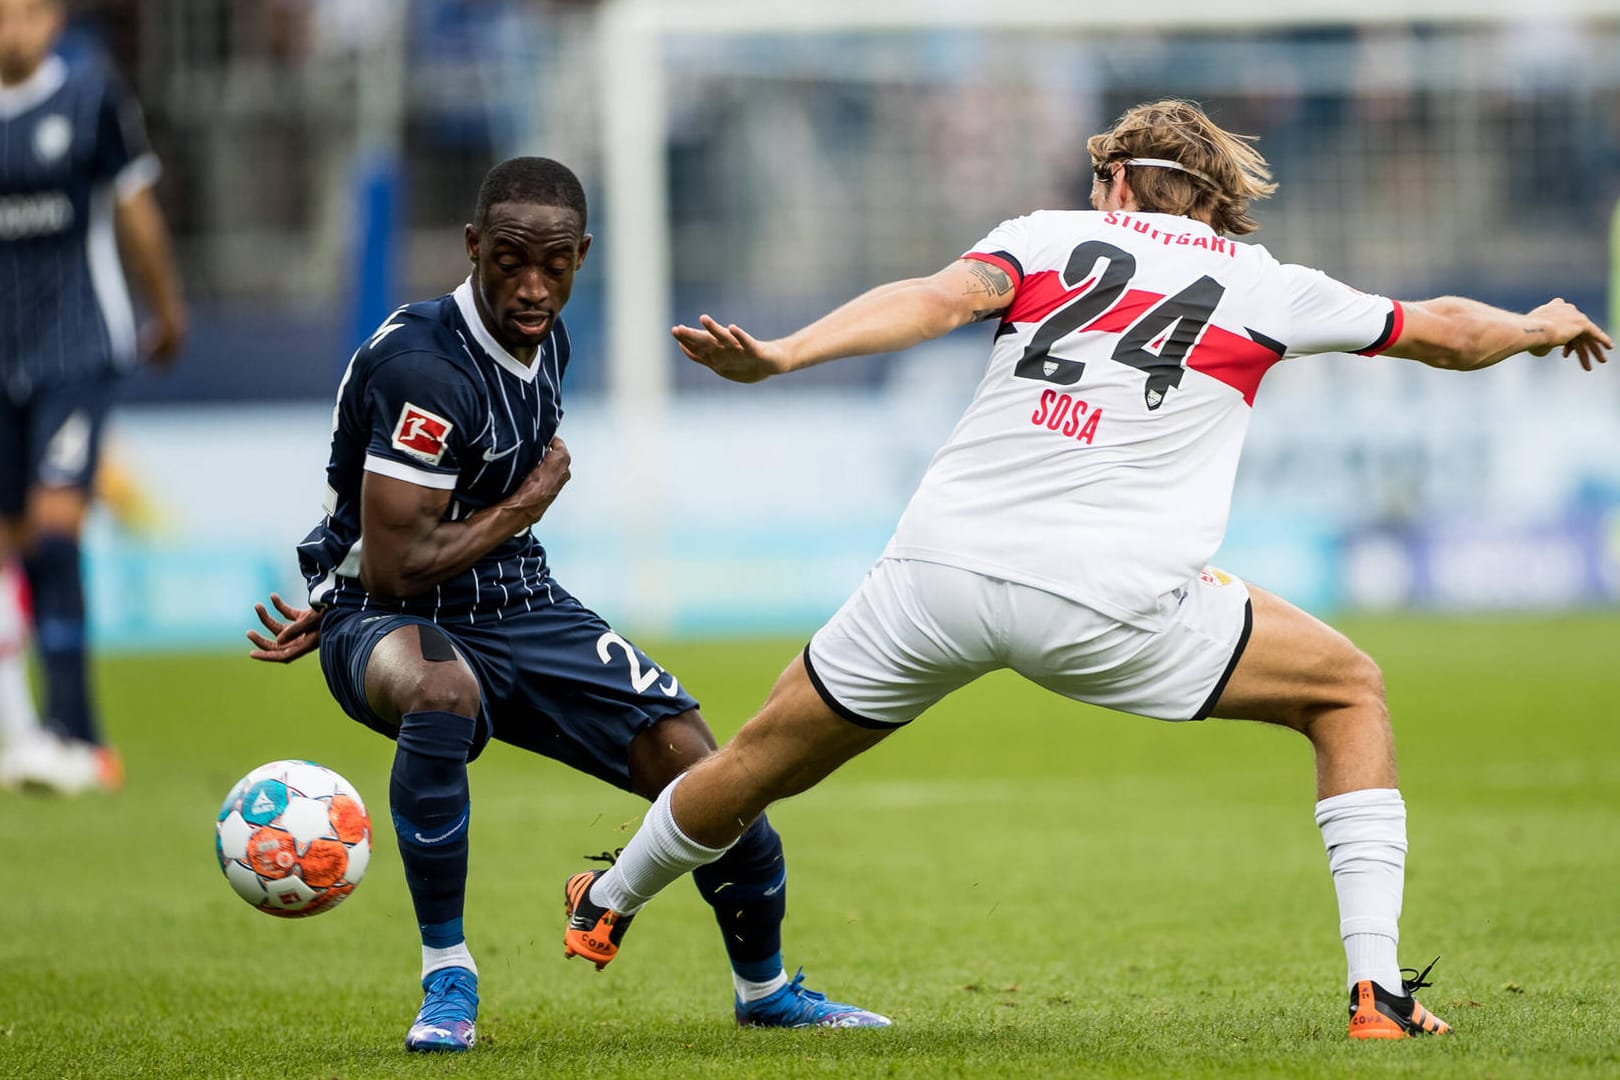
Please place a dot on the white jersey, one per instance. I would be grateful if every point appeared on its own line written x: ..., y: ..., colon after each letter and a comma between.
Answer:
x: 1097, y: 458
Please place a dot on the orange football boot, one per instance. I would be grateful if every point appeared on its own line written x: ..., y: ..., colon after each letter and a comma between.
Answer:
x: 1375, y: 1013
x: 592, y: 932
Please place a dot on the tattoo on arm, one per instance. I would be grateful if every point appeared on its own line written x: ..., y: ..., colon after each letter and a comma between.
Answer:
x: 995, y: 283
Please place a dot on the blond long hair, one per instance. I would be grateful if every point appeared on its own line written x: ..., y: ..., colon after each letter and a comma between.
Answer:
x: 1180, y: 131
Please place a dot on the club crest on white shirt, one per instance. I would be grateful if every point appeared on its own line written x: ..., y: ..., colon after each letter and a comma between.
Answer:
x: 52, y: 137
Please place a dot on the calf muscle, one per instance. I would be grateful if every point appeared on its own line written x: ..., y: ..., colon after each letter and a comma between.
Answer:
x: 794, y: 743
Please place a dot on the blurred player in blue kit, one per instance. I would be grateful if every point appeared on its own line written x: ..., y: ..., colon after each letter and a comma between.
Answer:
x: 76, y: 180
x: 439, y: 623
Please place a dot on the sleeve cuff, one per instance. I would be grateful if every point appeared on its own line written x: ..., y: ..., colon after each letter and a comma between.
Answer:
x: 138, y: 175
x: 1002, y: 259
x: 1393, y: 325
x: 398, y: 470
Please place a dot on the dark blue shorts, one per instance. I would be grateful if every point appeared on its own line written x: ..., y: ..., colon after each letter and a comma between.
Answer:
x: 52, y: 438
x: 556, y: 680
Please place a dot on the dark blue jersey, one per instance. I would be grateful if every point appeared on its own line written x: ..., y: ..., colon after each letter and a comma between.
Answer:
x: 432, y: 398
x: 71, y: 144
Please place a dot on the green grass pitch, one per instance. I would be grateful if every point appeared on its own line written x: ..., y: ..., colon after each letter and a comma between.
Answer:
x: 1027, y: 887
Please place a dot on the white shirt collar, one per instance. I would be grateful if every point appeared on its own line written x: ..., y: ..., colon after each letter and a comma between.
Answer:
x: 486, y: 340
x: 46, y: 80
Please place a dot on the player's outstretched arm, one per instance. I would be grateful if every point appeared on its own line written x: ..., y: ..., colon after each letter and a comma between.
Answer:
x: 409, y: 547
x: 289, y: 640
x: 889, y: 318
x: 1465, y: 335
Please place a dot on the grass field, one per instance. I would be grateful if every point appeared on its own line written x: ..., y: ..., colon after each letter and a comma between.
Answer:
x: 1027, y: 887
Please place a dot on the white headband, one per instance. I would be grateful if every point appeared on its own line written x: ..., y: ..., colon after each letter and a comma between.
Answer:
x: 1164, y: 163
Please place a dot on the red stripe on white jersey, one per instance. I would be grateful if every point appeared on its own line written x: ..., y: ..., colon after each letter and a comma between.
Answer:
x: 1130, y: 307
x: 1040, y: 294
x: 1235, y: 359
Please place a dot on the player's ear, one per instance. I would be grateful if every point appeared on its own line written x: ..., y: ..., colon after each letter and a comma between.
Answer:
x: 1124, y: 196
x: 472, y: 242
x: 584, y: 246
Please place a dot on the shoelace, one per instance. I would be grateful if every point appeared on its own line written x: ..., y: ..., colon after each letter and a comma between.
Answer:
x: 1417, y: 980
x: 609, y: 857
x: 448, y: 999
x: 797, y: 988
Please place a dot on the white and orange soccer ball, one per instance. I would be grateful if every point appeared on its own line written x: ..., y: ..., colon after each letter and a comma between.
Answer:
x: 293, y: 838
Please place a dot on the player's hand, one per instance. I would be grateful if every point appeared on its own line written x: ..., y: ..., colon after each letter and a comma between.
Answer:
x: 300, y: 634
x: 730, y: 352
x: 162, y: 336
x: 1567, y: 326
x: 545, y: 481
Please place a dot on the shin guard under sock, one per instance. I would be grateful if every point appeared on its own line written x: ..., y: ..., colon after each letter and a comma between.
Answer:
x: 747, y: 887
x: 56, y: 583
x: 1365, y: 835
x: 428, y: 794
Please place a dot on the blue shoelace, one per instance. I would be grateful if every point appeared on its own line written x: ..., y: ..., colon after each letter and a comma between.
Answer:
x: 451, y: 996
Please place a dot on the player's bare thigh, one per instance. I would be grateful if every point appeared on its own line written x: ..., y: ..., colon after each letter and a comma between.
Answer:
x: 404, y: 674
x: 1295, y: 666
x: 1301, y: 673
x: 56, y: 511
x: 791, y: 745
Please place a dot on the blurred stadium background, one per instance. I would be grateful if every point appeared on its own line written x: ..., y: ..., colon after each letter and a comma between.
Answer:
x: 764, y: 161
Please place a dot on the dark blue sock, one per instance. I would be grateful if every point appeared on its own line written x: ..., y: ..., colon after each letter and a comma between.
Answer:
x: 428, y: 794
x: 747, y: 887
x: 442, y: 935
x: 55, y: 578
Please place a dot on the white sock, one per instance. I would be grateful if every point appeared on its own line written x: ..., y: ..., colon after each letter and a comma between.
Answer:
x: 1365, y: 835
x: 748, y: 990
x: 18, y: 718
x: 657, y: 855
x: 455, y: 956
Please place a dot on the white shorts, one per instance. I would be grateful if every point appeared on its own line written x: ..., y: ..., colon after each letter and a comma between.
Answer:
x: 915, y: 631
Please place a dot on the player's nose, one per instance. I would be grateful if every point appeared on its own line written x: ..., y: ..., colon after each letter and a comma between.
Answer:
x: 531, y: 287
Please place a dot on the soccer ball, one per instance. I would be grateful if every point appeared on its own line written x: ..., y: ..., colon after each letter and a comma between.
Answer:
x: 293, y: 838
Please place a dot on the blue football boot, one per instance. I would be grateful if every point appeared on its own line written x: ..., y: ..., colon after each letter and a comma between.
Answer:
x: 795, y: 1007
x: 449, y: 1008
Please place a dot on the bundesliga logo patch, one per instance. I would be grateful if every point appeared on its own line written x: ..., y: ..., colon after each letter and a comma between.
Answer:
x: 421, y: 434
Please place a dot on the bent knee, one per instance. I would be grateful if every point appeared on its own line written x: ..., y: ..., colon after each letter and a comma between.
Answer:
x: 1353, y: 687
x: 445, y: 688
x: 666, y: 749
x: 1363, y: 682
x: 450, y: 688
x: 405, y: 674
